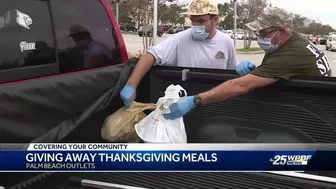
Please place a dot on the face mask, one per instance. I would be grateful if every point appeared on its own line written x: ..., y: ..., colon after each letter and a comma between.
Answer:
x: 266, y: 43
x: 199, y: 33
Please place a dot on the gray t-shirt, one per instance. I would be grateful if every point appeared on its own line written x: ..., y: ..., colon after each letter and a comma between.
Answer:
x: 182, y: 51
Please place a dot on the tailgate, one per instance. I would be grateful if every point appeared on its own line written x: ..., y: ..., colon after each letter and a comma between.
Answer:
x: 178, y: 180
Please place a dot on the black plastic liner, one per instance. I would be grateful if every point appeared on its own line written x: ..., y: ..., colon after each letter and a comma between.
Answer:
x: 178, y: 180
x: 49, y: 109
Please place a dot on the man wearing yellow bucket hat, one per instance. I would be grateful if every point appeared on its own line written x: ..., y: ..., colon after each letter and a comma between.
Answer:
x: 202, y: 46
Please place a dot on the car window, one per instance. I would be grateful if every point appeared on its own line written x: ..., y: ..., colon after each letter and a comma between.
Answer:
x: 26, y: 40
x: 85, y: 40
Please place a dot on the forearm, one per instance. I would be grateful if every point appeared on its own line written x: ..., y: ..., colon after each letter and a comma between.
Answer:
x: 141, y: 68
x: 223, y: 92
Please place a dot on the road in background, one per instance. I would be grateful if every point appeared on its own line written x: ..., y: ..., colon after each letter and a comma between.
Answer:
x: 134, y: 44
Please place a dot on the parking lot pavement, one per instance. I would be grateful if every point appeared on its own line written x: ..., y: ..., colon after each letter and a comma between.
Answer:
x: 134, y: 44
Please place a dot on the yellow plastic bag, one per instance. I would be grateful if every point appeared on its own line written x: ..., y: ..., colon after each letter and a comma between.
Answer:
x: 120, y: 126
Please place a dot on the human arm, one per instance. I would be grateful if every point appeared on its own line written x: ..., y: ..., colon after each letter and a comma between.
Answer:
x: 222, y: 92
x: 161, y: 54
x: 143, y: 65
x: 235, y: 87
x: 269, y: 72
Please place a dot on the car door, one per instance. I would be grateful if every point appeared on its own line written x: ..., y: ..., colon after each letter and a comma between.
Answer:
x: 329, y: 42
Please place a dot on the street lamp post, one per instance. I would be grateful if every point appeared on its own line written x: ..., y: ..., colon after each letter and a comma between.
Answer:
x: 235, y: 23
x: 155, y: 21
x: 117, y: 10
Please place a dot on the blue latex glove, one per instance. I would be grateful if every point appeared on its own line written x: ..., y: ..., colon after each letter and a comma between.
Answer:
x: 245, y: 68
x: 180, y: 108
x: 126, y: 95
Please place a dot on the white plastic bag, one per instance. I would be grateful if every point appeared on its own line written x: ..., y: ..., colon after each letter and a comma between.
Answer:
x: 155, y: 128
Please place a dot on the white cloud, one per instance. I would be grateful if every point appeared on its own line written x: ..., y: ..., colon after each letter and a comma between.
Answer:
x: 321, y: 10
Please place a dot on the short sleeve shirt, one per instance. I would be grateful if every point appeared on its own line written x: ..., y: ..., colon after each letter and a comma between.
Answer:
x: 183, y: 51
x: 297, y: 57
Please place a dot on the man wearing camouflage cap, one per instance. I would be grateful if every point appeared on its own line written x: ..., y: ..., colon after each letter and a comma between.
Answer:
x: 287, y: 54
x: 201, y: 46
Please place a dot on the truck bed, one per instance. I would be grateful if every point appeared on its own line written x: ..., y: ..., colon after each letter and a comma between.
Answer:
x: 302, y: 110
x: 178, y: 180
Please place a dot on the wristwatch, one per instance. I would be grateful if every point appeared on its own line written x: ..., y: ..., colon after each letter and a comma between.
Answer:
x: 197, y: 101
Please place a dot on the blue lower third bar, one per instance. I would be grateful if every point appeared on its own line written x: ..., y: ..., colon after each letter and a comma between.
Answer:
x: 167, y: 160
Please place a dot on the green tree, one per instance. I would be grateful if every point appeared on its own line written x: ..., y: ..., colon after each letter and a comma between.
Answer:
x: 226, y: 10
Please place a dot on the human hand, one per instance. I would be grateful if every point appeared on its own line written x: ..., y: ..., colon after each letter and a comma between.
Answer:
x: 245, y: 68
x: 180, y: 108
x: 127, y: 95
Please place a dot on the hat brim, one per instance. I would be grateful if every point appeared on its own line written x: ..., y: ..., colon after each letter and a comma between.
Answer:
x: 254, y: 26
x: 195, y: 14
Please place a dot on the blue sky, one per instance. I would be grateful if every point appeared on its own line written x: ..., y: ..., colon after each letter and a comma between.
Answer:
x: 321, y: 10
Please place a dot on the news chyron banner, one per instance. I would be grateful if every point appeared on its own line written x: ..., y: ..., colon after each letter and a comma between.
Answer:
x: 167, y: 157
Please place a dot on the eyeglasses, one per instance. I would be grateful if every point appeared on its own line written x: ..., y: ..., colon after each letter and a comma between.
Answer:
x: 266, y: 32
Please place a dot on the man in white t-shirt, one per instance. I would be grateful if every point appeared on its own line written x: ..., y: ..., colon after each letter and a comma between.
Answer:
x: 201, y: 46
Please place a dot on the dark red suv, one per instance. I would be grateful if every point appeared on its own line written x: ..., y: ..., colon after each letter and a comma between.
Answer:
x: 41, y: 38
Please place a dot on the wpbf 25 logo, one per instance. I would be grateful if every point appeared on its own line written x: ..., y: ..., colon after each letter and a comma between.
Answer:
x: 290, y: 159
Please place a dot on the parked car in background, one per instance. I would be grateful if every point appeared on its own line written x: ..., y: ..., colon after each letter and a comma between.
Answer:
x: 186, y: 27
x: 127, y: 28
x: 324, y: 39
x: 240, y: 35
x: 148, y: 30
x: 331, y: 43
x: 175, y: 29
x: 165, y: 28
x: 228, y: 32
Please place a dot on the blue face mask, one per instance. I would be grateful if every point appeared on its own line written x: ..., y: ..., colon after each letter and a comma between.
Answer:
x: 266, y: 43
x: 199, y: 32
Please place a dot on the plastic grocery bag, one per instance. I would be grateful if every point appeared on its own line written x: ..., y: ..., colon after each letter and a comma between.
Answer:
x: 120, y: 126
x: 155, y: 128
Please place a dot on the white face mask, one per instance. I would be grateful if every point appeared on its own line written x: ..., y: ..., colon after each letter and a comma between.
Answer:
x: 199, y: 32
